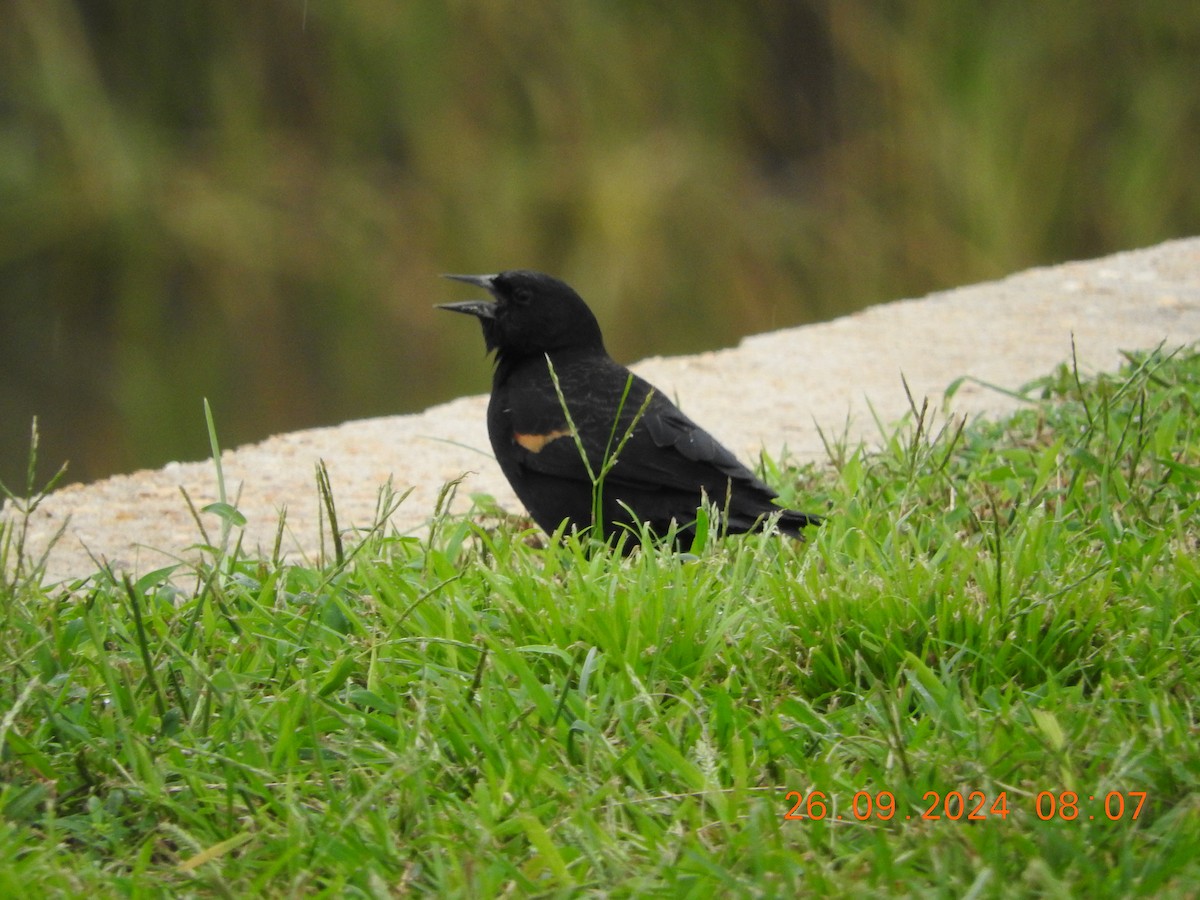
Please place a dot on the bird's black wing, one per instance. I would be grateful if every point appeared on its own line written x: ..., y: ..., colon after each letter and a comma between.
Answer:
x: 665, y: 451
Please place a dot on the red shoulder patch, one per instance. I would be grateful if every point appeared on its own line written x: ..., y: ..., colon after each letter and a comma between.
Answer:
x: 535, y: 443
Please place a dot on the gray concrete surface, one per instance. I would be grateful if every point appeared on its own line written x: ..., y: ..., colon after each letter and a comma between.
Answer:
x: 769, y: 392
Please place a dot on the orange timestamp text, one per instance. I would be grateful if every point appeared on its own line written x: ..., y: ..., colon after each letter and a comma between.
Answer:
x: 969, y: 806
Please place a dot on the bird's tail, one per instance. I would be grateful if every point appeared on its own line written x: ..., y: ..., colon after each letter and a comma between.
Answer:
x: 790, y: 521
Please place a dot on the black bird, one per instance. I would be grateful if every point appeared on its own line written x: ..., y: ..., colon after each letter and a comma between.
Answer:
x: 663, y: 465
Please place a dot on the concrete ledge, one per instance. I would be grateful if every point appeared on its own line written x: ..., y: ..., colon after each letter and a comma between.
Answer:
x: 769, y: 392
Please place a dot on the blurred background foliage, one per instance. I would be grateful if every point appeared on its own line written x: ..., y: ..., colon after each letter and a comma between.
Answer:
x: 251, y: 202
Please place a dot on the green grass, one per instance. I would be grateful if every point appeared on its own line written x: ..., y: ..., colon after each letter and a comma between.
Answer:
x: 1008, y: 608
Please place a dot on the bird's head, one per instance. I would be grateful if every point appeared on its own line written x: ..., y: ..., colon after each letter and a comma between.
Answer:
x: 530, y: 314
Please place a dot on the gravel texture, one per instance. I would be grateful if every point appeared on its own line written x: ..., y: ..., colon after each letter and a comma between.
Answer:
x: 770, y: 392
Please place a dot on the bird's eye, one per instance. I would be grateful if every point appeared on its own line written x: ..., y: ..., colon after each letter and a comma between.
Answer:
x: 521, y: 297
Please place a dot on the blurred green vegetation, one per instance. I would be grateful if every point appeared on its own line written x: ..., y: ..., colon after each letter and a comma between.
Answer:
x: 251, y: 202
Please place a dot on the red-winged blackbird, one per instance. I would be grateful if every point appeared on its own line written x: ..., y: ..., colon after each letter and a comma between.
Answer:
x: 663, y: 465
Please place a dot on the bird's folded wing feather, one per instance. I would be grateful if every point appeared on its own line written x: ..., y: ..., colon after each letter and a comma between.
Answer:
x: 666, y: 449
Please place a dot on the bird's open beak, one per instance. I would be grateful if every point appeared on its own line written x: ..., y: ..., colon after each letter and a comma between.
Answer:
x: 481, y: 309
x: 483, y: 281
